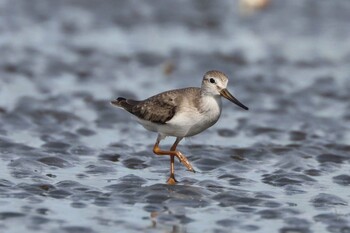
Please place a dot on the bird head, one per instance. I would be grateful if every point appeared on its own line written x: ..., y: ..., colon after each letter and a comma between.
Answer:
x: 215, y: 83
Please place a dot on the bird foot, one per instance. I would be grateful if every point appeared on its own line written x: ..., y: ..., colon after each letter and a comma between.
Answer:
x: 171, y: 180
x: 184, y: 161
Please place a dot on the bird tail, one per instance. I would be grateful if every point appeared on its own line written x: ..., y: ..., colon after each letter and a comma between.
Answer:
x: 127, y: 104
x: 119, y: 102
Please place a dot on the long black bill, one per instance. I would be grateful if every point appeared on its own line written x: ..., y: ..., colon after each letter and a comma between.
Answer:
x: 225, y: 93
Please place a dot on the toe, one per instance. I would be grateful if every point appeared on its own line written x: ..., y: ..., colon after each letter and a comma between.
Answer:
x: 171, y: 181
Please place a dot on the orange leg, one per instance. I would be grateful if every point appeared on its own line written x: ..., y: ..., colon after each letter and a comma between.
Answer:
x: 173, y: 153
x: 172, y: 179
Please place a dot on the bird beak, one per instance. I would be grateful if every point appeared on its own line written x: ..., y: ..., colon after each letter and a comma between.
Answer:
x: 225, y: 93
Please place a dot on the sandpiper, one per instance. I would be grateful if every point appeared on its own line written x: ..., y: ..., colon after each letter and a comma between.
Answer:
x: 181, y: 113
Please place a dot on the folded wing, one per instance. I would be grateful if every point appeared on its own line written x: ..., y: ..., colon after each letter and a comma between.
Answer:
x: 157, y: 109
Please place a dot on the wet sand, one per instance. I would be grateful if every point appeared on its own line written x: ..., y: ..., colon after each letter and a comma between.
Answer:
x: 70, y: 162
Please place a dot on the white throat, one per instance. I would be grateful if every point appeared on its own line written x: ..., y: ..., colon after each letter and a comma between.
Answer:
x: 211, y: 106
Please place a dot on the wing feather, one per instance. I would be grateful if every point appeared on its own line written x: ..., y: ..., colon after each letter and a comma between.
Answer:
x: 159, y: 108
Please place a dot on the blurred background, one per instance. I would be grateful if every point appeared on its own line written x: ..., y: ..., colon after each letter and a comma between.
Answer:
x: 70, y: 162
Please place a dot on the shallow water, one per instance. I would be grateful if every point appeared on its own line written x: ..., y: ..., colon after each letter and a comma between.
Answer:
x: 70, y: 162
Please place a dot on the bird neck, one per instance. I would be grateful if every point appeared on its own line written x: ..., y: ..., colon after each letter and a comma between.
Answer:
x: 205, y: 90
x: 210, y: 102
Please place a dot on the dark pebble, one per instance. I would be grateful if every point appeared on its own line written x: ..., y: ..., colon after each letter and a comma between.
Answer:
x: 110, y: 157
x: 6, y: 183
x: 280, y: 178
x: 270, y: 214
x: 55, y: 162
x: 331, y: 218
x: 327, y: 200
x: 75, y: 229
x: 331, y: 158
x: 78, y: 205
x: 297, y: 136
x: 342, y: 180
x: 39, y: 220
x: 86, y: 132
x: 9, y: 215
x: 135, y: 163
x: 94, y: 169
x: 227, y: 222
x: 294, y: 230
x: 56, y: 146
x: 312, y: 172
x: 226, y: 133
x: 234, y: 199
x: 59, y: 194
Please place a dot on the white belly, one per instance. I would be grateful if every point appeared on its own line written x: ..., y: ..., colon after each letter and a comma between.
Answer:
x: 188, y: 121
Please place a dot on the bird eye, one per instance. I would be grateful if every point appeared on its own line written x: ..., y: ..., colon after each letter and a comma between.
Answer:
x: 212, y: 80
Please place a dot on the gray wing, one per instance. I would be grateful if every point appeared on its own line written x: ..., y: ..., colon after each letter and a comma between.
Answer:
x: 159, y: 108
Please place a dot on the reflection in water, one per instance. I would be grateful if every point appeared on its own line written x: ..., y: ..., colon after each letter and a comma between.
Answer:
x: 173, y: 228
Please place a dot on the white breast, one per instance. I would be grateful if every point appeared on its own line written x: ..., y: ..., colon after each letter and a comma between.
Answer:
x: 188, y: 121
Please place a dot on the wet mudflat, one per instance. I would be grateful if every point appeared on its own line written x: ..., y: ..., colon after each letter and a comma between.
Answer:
x: 70, y: 162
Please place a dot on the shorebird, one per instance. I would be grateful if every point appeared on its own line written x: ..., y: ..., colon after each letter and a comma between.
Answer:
x: 181, y: 113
